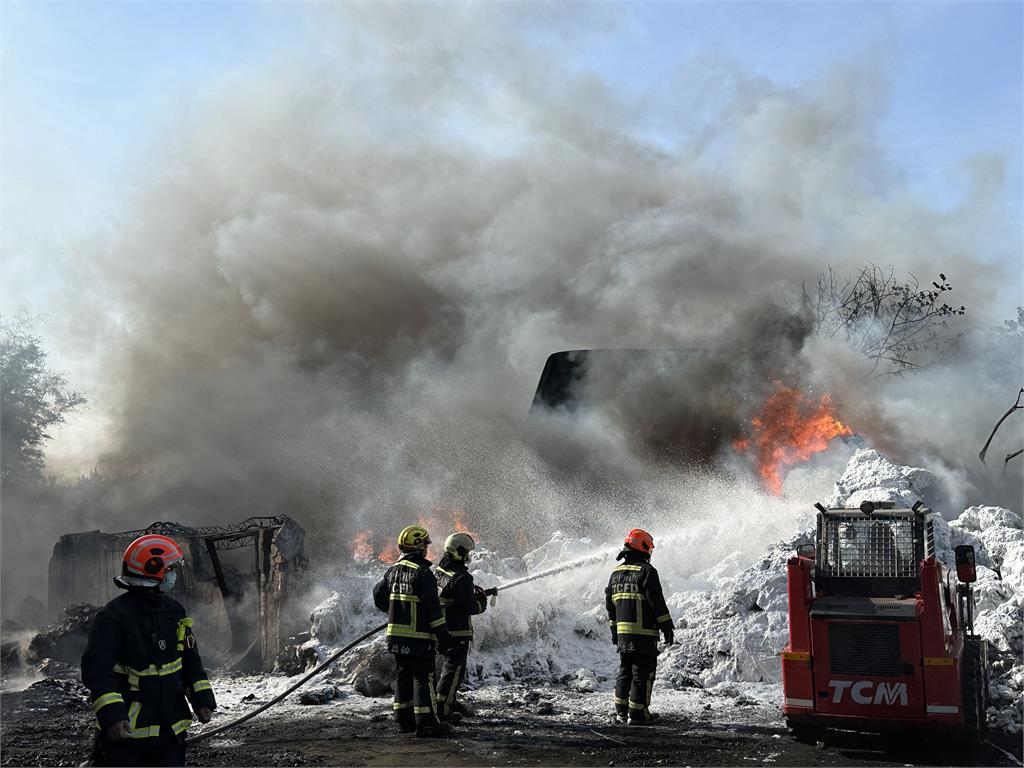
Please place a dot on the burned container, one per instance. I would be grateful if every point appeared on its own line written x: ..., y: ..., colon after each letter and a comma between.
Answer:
x: 240, y: 582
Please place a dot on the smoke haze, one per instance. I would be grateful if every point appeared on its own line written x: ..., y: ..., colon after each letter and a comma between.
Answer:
x: 339, y: 279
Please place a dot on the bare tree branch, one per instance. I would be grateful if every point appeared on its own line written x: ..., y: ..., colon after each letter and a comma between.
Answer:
x: 1015, y: 407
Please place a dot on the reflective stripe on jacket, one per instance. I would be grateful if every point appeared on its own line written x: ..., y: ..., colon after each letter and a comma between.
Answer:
x: 408, y: 593
x: 636, y: 605
x: 141, y: 664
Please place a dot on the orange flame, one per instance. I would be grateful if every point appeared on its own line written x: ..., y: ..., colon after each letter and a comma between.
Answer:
x: 439, y: 523
x: 362, y: 549
x: 389, y: 554
x: 790, y: 430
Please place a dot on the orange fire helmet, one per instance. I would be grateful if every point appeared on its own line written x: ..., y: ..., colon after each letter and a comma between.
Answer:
x: 150, y: 557
x: 640, y: 540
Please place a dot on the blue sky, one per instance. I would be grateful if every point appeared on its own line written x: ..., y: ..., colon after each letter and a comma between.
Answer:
x: 86, y: 86
x: 954, y: 69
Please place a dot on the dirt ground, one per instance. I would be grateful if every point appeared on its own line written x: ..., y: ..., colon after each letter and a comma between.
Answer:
x: 50, y: 724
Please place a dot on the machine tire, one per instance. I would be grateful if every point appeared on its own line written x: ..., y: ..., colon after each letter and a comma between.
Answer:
x: 806, y: 733
x: 974, y: 688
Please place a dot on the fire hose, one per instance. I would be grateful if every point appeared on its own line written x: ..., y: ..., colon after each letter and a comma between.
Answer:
x: 579, y: 562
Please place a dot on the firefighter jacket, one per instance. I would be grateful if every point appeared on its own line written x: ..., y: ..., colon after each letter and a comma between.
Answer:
x: 460, y: 601
x: 141, y: 663
x: 408, y: 593
x: 636, y: 604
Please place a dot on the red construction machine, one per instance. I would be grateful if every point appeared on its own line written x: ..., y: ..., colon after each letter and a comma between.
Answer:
x: 880, y: 633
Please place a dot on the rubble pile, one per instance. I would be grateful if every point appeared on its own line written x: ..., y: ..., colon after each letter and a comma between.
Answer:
x: 296, y: 655
x: 369, y: 669
x: 65, y: 641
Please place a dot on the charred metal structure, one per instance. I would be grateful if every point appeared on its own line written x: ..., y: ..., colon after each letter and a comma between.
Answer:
x: 239, y: 581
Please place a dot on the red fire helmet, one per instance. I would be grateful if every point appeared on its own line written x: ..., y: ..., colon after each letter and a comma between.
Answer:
x: 640, y: 540
x: 150, y: 556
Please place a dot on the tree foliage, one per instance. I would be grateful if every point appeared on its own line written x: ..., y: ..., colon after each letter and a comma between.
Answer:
x: 33, y: 400
x: 893, y: 323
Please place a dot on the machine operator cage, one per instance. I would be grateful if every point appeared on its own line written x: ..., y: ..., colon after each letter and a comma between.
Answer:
x: 873, y: 554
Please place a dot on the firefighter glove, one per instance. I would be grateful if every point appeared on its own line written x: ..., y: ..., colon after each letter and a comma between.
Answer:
x: 670, y: 636
x: 491, y: 592
x: 615, y: 635
x: 445, y: 641
x: 118, y: 730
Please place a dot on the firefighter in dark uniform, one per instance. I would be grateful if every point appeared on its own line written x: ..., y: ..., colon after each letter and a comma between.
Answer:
x: 636, y: 614
x: 142, y: 666
x: 408, y: 594
x: 461, y: 600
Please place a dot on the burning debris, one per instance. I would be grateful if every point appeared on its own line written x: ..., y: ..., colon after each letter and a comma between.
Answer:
x: 367, y: 545
x: 789, y: 430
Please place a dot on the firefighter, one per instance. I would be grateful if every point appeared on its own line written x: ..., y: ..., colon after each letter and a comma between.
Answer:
x: 636, y: 613
x: 460, y: 601
x: 408, y: 594
x: 141, y: 664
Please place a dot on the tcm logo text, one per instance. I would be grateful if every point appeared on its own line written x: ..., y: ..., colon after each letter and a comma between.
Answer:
x: 867, y: 692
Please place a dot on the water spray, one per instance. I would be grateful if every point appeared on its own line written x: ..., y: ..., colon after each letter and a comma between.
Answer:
x: 572, y: 564
x: 577, y: 563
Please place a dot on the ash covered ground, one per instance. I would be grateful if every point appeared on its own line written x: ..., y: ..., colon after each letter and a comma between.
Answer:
x: 542, y: 668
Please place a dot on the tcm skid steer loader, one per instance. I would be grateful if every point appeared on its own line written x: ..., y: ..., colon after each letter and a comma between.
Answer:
x: 881, y: 634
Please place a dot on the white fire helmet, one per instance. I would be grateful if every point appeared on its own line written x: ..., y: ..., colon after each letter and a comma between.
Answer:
x: 459, y: 545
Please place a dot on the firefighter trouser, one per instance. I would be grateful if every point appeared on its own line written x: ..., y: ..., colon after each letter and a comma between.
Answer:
x: 415, y: 699
x: 633, y: 685
x: 137, y: 752
x: 453, y: 672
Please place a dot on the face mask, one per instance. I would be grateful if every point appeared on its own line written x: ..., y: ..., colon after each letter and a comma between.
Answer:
x: 169, y: 580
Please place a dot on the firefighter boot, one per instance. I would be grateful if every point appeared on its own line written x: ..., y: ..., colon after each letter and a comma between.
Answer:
x: 432, y: 730
x: 652, y: 719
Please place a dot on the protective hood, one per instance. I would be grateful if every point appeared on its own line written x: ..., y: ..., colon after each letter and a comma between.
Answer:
x: 450, y: 562
x: 628, y: 555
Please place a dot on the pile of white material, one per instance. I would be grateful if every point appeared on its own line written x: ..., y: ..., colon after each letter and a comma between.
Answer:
x: 733, y: 630
x: 869, y: 476
x: 997, y: 535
